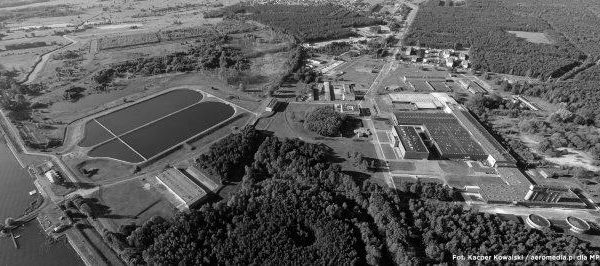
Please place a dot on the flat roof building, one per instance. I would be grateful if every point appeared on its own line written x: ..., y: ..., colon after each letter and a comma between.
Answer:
x: 327, y: 92
x: 346, y: 108
x: 53, y: 176
x: 409, y: 143
x: 343, y: 92
x: 203, y: 179
x: 497, y: 154
x: 184, y: 190
x: 447, y: 135
x: 272, y: 105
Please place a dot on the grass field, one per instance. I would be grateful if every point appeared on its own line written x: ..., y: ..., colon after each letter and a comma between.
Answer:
x: 360, y: 71
x: 533, y: 37
x: 132, y: 201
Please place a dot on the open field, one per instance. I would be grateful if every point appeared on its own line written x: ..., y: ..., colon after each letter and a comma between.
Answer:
x: 533, y: 37
x: 572, y: 157
x: 133, y: 201
x: 415, y: 77
x: 23, y: 60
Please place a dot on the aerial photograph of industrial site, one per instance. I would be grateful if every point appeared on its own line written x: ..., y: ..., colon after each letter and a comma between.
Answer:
x: 299, y: 132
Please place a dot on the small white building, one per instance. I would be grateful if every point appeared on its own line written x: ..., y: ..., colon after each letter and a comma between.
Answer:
x: 53, y: 176
x: 272, y: 105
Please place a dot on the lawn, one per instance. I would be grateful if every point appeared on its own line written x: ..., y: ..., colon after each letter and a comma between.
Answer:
x: 132, y: 201
x: 102, y: 169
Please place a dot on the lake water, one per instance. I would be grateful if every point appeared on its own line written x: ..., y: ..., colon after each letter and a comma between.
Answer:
x: 15, y: 184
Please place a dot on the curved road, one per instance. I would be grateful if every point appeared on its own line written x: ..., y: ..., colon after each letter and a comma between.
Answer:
x: 42, y: 62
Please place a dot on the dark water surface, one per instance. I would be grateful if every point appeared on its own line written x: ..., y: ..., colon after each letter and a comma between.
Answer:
x: 15, y: 184
x: 160, y: 135
x: 149, y: 110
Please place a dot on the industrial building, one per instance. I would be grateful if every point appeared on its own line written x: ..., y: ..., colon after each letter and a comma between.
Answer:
x: 185, y: 192
x: 343, y: 92
x: 577, y: 225
x: 450, y: 139
x: 497, y: 155
x: 409, y: 144
x: 546, y: 193
x: 202, y: 179
x: 537, y: 221
x: 53, y: 176
x: 416, y: 100
x: 455, y: 134
x: 271, y: 105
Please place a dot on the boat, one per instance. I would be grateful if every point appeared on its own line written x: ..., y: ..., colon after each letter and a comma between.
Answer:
x: 17, y: 236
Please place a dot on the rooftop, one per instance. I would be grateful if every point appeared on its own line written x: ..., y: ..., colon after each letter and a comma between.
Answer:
x: 423, y: 99
x: 411, y: 141
x: 447, y: 133
x: 484, y: 138
x: 181, y: 186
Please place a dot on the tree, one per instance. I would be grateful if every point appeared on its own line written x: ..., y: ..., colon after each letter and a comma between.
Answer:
x: 325, y: 121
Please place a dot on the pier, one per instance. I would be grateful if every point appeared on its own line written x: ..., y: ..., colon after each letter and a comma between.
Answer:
x: 14, y: 240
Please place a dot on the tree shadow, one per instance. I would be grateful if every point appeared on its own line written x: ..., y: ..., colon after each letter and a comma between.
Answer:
x: 359, y: 177
x: 82, y: 185
x: 81, y: 226
x: 102, y: 211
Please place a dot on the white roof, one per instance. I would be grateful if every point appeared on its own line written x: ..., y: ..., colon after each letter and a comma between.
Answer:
x: 426, y: 105
x: 411, y: 97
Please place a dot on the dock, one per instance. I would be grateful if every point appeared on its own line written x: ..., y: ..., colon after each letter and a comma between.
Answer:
x: 14, y: 240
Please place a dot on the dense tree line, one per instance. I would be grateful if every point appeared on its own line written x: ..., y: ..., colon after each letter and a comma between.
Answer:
x: 334, y: 48
x: 213, y: 54
x: 309, y: 23
x: 13, y: 95
x: 482, y: 25
x: 27, y: 45
x: 227, y: 157
x: 296, y: 207
x: 325, y: 121
x: 580, y: 94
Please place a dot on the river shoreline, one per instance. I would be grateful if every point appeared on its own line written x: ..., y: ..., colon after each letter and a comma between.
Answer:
x: 23, y: 221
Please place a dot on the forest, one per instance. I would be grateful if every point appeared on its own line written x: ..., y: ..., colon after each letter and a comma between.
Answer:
x: 580, y: 94
x: 482, y: 26
x: 309, y: 23
x: 209, y: 54
x: 297, y: 207
x: 334, y: 48
x: 13, y: 95
x: 578, y: 20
